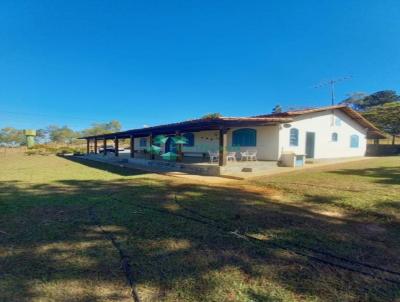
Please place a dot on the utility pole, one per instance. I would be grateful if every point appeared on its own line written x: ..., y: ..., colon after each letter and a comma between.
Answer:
x: 332, y: 83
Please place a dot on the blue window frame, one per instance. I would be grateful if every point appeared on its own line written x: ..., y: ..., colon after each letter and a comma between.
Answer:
x: 294, y: 137
x: 143, y: 142
x: 334, y: 137
x: 190, y: 139
x: 244, y: 137
x: 354, y: 141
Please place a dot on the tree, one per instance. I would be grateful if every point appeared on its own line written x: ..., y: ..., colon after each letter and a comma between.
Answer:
x: 101, y: 128
x: 12, y: 136
x: 386, y: 117
x: 212, y: 115
x: 277, y: 109
x: 61, y: 134
x: 41, y: 135
x: 362, y: 102
x: 354, y: 99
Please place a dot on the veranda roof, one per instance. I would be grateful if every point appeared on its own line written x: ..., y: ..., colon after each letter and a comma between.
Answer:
x: 195, y: 125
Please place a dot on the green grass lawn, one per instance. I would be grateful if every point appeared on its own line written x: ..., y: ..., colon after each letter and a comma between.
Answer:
x: 186, y: 241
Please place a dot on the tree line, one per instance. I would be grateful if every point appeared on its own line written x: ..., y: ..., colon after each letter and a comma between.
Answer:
x: 10, y: 136
x: 381, y: 108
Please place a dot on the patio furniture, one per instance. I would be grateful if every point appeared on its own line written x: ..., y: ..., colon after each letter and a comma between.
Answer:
x: 252, y: 155
x: 213, y: 155
x: 231, y: 156
x: 244, y: 155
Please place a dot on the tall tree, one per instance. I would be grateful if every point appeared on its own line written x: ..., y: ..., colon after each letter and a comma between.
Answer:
x: 354, y: 99
x: 386, y: 117
x: 277, y: 109
x: 101, y: 128
x: 41, y: 135
x: 212, y: 115
x: 11, y: 136
x: 362, y: 102
x: 61, y: 134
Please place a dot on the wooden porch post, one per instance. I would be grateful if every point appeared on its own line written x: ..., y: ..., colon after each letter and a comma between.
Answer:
x: 179, y: 149
x: 95, y: 146
x: 116, y: 146
x: 222, y: 146
x: 104, y: 146
x: 87, y: 145
x: 132, y: 146
x: 152, y: 156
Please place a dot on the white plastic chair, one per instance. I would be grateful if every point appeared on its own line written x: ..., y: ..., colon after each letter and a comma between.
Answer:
x: 252, y: 155
x: 231, y: 156
x: 213, y: 155
x: 244, y: 155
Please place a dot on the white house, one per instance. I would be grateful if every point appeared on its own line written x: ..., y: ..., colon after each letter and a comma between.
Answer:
x: 319, y: 133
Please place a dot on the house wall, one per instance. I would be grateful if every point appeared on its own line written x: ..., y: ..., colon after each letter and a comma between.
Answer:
x: 267, y: 142
x: 204, y: 141
x: 323, y: 124
x: 137, y: 143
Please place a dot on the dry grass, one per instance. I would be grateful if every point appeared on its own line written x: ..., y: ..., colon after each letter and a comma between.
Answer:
x: 51, y: 250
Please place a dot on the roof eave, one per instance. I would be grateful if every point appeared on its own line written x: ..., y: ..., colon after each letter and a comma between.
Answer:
x: 194, y: 126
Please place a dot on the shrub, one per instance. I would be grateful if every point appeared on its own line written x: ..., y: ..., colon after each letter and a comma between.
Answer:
x: 49, y: 149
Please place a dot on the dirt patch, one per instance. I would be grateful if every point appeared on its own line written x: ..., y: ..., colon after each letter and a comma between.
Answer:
x: 330, y: 213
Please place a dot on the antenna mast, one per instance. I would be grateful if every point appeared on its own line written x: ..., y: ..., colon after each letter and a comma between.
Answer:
x: 332, y: 83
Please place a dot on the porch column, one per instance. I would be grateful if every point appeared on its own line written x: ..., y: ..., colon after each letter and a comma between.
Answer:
x: 222, y: 146
x: 178, y: 149
x: 87, y: 145
x: 95, y: 146
x: 132, y: 146
x: 116, y: 146
x: 152, y: 156
x: 104, y: 146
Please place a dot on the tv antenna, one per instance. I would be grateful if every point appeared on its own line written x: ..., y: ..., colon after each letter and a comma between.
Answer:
x: 332, y: 83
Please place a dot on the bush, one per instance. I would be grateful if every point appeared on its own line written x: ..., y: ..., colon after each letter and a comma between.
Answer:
x: 49, y: 149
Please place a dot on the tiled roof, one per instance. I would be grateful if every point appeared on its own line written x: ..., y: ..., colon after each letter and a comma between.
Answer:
x: 216, y: 122
x: 373, y: 131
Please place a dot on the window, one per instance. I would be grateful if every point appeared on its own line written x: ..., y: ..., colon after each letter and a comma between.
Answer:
x: 338, y: 121
x: 354, y: 141
x: 190, y: 139
x: 143, y: 142
x: 245, y: 137
x: 294, y: 137
x: 334, y: 137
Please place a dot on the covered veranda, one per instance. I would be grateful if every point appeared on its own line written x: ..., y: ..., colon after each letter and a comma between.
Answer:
x: 220, y: 126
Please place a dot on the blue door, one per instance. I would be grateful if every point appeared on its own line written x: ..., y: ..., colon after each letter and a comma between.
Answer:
x: 310, y: 144
x: 170, y: 146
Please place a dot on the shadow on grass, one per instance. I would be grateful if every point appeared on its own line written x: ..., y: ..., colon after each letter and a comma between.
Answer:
x: 112, y: 168
x: 383, y: 175
x: 50, y: 248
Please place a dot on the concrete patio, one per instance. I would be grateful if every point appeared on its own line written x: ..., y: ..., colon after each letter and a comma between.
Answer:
x: 201, y: 167
x: 190, y: 165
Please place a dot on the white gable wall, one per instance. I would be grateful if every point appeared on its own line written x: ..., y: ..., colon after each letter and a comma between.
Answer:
x: 321, y: 124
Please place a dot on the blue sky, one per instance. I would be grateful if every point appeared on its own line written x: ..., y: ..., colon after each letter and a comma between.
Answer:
x: 150, y: 62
